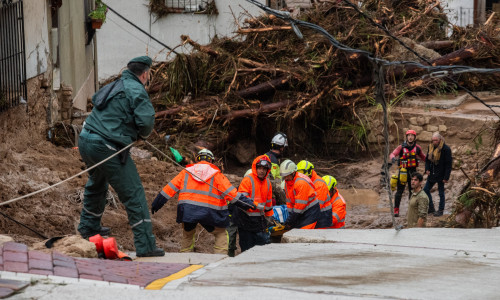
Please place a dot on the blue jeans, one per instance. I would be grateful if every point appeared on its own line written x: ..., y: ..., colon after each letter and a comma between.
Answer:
x: 427, y: 189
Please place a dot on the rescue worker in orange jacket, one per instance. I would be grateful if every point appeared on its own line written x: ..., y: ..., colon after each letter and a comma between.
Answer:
x: 301, y: 202
x: 338, y: 203
x: 322, y: 194
x: 203, y: 196
x: 252, y: 223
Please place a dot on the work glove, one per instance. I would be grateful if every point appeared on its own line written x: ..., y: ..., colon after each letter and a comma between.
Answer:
x: 270, y: 221
x: 158, y: 203
x: 394, y: 159
x: 245, y: 203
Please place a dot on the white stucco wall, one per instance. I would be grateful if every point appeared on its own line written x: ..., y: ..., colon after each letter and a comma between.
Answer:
x: 118, y: 41
x: 459, y: 12
x: 36, y: 36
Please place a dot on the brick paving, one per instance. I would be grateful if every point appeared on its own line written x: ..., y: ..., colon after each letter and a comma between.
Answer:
x: 15, y: 257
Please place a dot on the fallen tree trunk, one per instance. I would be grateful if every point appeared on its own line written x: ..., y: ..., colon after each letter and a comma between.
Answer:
x: 265, y: 88
x: 271, y: 107
x: 437, y: 44
x: 178, y: 109
x: 448, y: 59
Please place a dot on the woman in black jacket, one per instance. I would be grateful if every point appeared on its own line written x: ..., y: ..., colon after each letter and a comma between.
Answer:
x: 438, y: 168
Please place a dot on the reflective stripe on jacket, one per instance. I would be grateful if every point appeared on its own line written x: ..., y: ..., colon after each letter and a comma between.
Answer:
x: 202, y: 198
x: 260, y: 191
x: 338, y: 211
x: 325, y: 202
x: 301, y: 201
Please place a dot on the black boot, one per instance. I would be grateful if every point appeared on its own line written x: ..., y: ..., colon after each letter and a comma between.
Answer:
x: 155, y: 252
x: 104, y: 231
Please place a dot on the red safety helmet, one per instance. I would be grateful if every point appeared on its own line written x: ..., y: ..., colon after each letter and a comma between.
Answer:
x: 411, y: 131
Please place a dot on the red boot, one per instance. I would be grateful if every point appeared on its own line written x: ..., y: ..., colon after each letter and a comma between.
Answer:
x: 396, y: 211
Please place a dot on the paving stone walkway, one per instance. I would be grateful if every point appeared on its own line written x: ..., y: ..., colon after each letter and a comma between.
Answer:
x: 15, y: 257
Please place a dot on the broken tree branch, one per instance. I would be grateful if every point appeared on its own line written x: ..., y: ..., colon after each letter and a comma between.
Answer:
x: 265, y: 29
x: 186, y: 39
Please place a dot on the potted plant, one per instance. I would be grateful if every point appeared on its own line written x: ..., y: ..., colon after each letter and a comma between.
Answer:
x: 98, y: 15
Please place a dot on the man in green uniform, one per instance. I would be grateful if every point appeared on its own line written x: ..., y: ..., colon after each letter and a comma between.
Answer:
x: 419, y: 203
x: 122, y: 114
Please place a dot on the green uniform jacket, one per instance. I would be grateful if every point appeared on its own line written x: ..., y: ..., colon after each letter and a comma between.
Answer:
x: 128, y: 113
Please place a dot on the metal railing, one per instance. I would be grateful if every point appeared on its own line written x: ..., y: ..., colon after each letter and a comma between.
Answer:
x: 187, y: 5
x: 13, y: 89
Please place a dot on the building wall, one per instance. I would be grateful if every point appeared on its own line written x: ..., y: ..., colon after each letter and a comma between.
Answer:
x: 460, y: 12
x: 37, y: 44
x: 118, y: 41
x: 76, y: 60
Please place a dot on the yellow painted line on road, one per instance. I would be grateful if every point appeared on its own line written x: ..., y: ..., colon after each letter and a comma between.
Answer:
x: 159, y: 283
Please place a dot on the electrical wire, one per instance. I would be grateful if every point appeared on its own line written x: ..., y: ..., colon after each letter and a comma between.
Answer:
x: 140, y: 29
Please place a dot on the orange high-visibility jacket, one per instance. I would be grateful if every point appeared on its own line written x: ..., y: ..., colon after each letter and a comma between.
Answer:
x: 338, y: 210
x: 260, y: 191
x: 303, y: 207
x: 325, y: 202
x: 203, y: 198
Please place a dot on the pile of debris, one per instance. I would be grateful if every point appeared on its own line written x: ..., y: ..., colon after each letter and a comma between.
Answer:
x: 268, y: 74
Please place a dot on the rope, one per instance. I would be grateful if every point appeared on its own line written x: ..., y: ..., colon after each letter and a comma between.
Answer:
x: 67, y: 179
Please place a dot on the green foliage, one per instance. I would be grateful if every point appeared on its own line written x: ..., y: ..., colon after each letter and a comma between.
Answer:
x: 466, y: 200
x: 99, y: 13
x: 478, y: 141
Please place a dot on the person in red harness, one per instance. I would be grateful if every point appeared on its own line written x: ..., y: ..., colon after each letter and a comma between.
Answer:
x: 301, y: 202
x: 338, y: 203
x: 204, y: 193
x: 409, y: 153
x: 253, y: 223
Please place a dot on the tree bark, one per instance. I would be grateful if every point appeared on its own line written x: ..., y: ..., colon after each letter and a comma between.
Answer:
x: 265, y: 29
x: 265, y: 88
x: 256, y: 111
x: 448, y: 59
x: 437, y: 44
x: 178, y: 109
x: 186, y: 39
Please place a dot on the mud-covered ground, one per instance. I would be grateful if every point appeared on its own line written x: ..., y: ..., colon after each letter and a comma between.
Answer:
x: 30, y: 163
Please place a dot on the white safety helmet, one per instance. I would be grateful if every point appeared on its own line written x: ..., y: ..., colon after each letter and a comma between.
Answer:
x: 205, y: 154
x: 279, y: 140
x: 287, y: 167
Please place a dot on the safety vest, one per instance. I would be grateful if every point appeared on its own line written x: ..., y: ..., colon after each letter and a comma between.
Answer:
x: 203, y: 198
x: 275, y: 167
x: 260, y: 191
x: 409, y: 157
x: 301, y: 200
x: 338, y: 210
x: 324, y: 199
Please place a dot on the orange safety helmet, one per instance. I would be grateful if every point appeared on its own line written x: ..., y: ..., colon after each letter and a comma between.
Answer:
x: 411, y: 131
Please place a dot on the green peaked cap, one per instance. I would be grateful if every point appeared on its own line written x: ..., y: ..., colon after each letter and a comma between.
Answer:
x: 143, y: 60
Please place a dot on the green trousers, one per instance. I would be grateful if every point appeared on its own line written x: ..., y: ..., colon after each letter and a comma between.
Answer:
x: 125, y: 181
